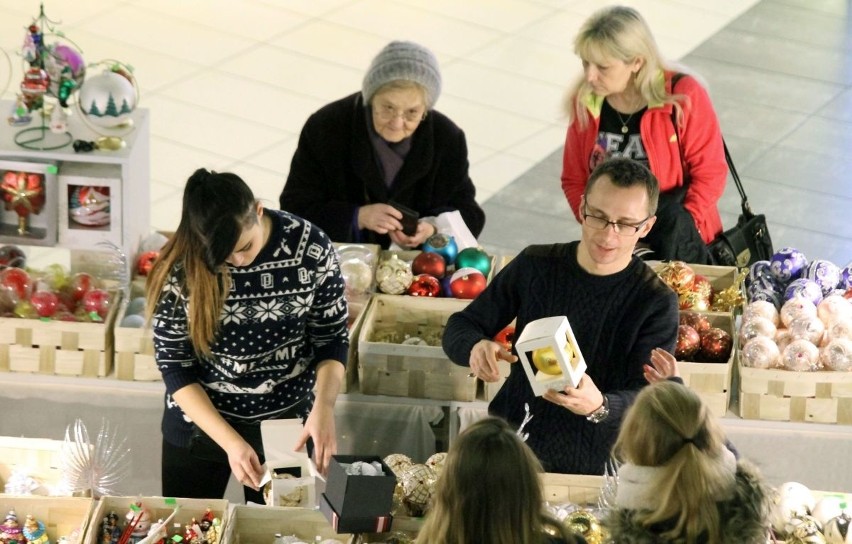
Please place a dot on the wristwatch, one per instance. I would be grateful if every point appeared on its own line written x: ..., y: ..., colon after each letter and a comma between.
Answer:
x: 601, y: 413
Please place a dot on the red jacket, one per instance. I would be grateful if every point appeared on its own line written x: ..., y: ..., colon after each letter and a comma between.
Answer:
x: 700, y: 140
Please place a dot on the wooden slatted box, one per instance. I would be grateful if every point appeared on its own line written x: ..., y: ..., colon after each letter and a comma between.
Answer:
x: 62, y: 516
x: 712, y: 381
x: 396, y: 369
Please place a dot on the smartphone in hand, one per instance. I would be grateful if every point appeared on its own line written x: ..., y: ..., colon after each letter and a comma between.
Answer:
x: 409, y: 218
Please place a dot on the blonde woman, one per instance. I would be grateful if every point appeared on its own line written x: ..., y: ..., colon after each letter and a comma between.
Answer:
x: 490, y: 491
x: 627, y: 104
x: 249, y: 324
x: 679, y: 483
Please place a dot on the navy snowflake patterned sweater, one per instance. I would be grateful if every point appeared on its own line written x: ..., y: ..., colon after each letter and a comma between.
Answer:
x: 617, y: 320
x: 285, y: 313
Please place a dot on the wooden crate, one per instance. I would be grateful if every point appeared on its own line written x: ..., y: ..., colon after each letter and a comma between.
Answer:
x: 350, y: 378
x: 38, y: 458
x: 720, y: 277
x: 581, y: 489
x: 258, y: 525
x: 134, y: 354
x: 159, y: 508
x: 388, y: 368
x: 782, y: 395
x: 62, y: 516
x: 58, y: 347
x: 712, y: 381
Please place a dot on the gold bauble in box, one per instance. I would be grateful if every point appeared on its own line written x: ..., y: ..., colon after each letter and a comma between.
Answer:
x: 418, y: 486
x: 583, y: 523
x: 393, y: 276
x: 546, y: 361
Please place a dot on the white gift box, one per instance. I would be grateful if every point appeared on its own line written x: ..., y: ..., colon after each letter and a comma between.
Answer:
x: 298, y: 488
x: 554, y: 333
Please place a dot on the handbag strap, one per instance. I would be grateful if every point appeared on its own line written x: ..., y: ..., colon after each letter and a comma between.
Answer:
x: 733, y: 169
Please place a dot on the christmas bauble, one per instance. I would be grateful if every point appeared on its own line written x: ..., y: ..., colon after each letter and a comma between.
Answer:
x: 790, y: 500
x: 800, y: 356
x: 697, y: 321
x: 436, y: 462
x: 467, y: 283
x: 837, y: 355
x: 107, y: 99
x: 89, y: 206
x: 545, y: 360
x: 97, y: 301
x: 145, y: 262
x: 805, y: 530
x: 506, y: 337
x: 796, y: 307
x: 444, y: 245
x: 839, y: 328
x: 756, y: 292
x: 828, y: 508
x: 418, y: 486
x: 760, y: 274
x: 762, y: 308
x: 45, y: 303
x: 808, y: 327
x: 429, y: 262
x: 838, y: 530
x: 424, y: 285
x: 393, y: 276
x: 824, y: 273
x: 473, y: 257
x: 688, y: 343
x: 716, y: 345
x: 834, y: 307
x: 398, y: 462
x: 678, y: 275
x: 17, y: 281
x: 846, y: 277
x: 760, y: 352
x: 788, y: 264
x: 783, y: 339
x: 757, y: 326
x: 804, y: 288
x: 133, y: 321
x: 12, y: 256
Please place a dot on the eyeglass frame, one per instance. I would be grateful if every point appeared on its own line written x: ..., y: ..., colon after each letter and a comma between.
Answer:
x: 388, y: 113
x: 616, y: 225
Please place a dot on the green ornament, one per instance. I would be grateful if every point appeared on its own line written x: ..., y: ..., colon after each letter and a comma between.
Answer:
x: 473, y: 257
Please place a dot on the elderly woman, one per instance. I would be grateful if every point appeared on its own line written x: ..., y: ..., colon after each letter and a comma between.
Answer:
x: 362, y: 160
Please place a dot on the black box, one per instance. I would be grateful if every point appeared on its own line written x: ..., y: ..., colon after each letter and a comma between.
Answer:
x: 359, y: 496
x: 377, y: 524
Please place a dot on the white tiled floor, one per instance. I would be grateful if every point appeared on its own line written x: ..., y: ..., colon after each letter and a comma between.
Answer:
x: 230, y: 82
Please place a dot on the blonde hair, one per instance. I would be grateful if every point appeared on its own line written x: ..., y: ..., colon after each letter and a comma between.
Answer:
x: 489, y: 491
x: 669, y: 427
x: 216, y: 209
x: 621, y: 33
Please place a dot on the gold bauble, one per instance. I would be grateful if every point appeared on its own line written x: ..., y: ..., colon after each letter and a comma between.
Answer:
x: 546, y: 361
x: 583, y: 523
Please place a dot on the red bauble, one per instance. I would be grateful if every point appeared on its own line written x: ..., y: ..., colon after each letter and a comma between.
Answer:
x: 678, y: 275
x: 467, y: 283
x: 697, y: 321
x: 146, y: 262
x: 96, y: 301
x: 12, y: 256
x: 848, y: 294
x: 23, y: 192
x: 80, y: 284
x: 424, y: 285
x: 17, y: 281
x: 429, y: 262
x: 45, y: 303
x: 506, y: 337
x: 716, y: 346
x: 688, y: 343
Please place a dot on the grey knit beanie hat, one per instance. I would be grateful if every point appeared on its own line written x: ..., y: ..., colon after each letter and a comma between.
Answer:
x: 405, y: 61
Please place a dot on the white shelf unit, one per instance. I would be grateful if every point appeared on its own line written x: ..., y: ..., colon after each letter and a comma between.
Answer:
x: 131, y: 164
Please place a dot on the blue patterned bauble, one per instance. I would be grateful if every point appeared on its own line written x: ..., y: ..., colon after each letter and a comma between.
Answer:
x: 760, y: 275
x: 444, y: 245
x: 757, y: 292
x: 788, y: 264
x: 825, y: 273
x: 805, y: 288
x: 846, y: 277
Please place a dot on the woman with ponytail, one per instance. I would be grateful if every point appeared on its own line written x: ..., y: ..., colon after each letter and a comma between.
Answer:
x: 679, y: 483
x: 249, y: 324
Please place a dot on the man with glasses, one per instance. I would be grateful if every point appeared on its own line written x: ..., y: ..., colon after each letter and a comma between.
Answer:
x: 365, y: 159
x: 618, y: 308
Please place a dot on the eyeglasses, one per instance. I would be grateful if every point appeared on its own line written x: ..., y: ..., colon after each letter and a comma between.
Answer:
x: 386, y: 112
x: 622, y: 229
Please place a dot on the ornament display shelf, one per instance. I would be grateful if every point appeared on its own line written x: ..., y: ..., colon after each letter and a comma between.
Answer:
x: 130, y: 164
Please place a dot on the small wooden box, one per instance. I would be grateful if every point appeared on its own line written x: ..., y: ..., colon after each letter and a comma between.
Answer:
x: 160, y: 508
x: 712, y: 381
x: 62, y: 516
x: 580, y: 489
x: 134, y: 354
x: 37, y: 458
x: 782, y: 395
x: 396, y: 369
x: 258, y: 525
x: 65, y: 348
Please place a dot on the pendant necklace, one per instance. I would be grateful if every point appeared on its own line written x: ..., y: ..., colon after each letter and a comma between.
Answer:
x: 623, y: 121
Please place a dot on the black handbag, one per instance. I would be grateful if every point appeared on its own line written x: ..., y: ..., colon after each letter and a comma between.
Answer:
x: 749, y: 240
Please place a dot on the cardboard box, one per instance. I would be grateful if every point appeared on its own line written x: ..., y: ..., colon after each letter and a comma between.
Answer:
x: 259, y: 524
x: 712, y: 381
x: 365, y: 524
x: 357, y: 496
x: 298, y: 488
x: 62, y: 516
x: 417, y: 371
x: 38, y: 228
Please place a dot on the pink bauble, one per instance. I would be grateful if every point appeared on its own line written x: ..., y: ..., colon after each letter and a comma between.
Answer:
x: 801, y: 356
x: 756, y: 326
x: 839, y: 328
x: 808, y: 328
x: 761, y: 352
x: 761, y: 308
x: 837, y: 355
x: 796, y: 307
x: 833, y: 307
x: 783, y: 338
